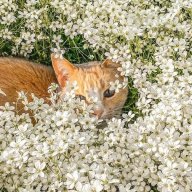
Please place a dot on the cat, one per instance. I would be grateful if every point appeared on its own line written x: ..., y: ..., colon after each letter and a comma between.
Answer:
x: 92, y: 80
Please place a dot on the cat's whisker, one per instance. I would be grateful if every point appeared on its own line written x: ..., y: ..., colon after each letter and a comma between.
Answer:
x: 111, y: 114
x: 115, y: 112
x: 116, y: 109
x: 120, y: 109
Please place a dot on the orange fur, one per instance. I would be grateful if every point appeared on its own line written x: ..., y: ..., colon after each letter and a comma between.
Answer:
x: 92, y: 78
x: 22, y: 75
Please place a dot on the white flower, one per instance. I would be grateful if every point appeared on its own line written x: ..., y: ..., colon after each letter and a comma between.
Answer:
x: 57, y: 39
x: 115, y: 85
x: 72, y: 179
x: 97, y: 186
x: 126, y: 188
x: 58, y: 52
x: 37, y: 170
x: 60, y: 117
x: 7, y: 107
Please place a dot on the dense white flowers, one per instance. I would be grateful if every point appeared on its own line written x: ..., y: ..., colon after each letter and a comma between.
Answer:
x: 62, y: 147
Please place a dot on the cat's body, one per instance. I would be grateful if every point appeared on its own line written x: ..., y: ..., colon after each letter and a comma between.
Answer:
x: 22, y: 75
x: 92, y: 78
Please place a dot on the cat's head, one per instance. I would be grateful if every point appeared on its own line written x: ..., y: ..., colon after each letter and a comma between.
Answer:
x: 93, y: 81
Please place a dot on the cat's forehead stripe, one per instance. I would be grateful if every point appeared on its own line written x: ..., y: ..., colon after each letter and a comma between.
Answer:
x: 91, y: 69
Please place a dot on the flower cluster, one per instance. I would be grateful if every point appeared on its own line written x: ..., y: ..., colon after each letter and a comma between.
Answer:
x: 62, y: 147
x: 59, y: 146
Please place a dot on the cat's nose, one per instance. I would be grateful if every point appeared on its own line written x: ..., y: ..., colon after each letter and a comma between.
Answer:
x: 98, y: 112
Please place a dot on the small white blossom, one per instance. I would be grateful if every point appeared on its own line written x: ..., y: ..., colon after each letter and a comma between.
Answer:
x: 37, y: 170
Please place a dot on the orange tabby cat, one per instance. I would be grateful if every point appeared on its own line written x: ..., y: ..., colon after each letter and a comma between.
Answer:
x: 92, y: 79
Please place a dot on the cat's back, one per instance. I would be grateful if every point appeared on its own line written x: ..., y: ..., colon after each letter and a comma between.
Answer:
x: 22, y: 75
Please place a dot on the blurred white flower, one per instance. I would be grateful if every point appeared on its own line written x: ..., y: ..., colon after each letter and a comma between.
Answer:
x: 72, y: 179
x: 57, y: 39
x: 58, y: 52
x: 37, y: 170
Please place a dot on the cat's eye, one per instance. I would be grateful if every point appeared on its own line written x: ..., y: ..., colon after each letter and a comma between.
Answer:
x: 81, y: 97
x: 109, y: 93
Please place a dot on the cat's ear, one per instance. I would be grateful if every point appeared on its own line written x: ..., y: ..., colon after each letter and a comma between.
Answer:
x: 63, y: 69
x: 108, y: 63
